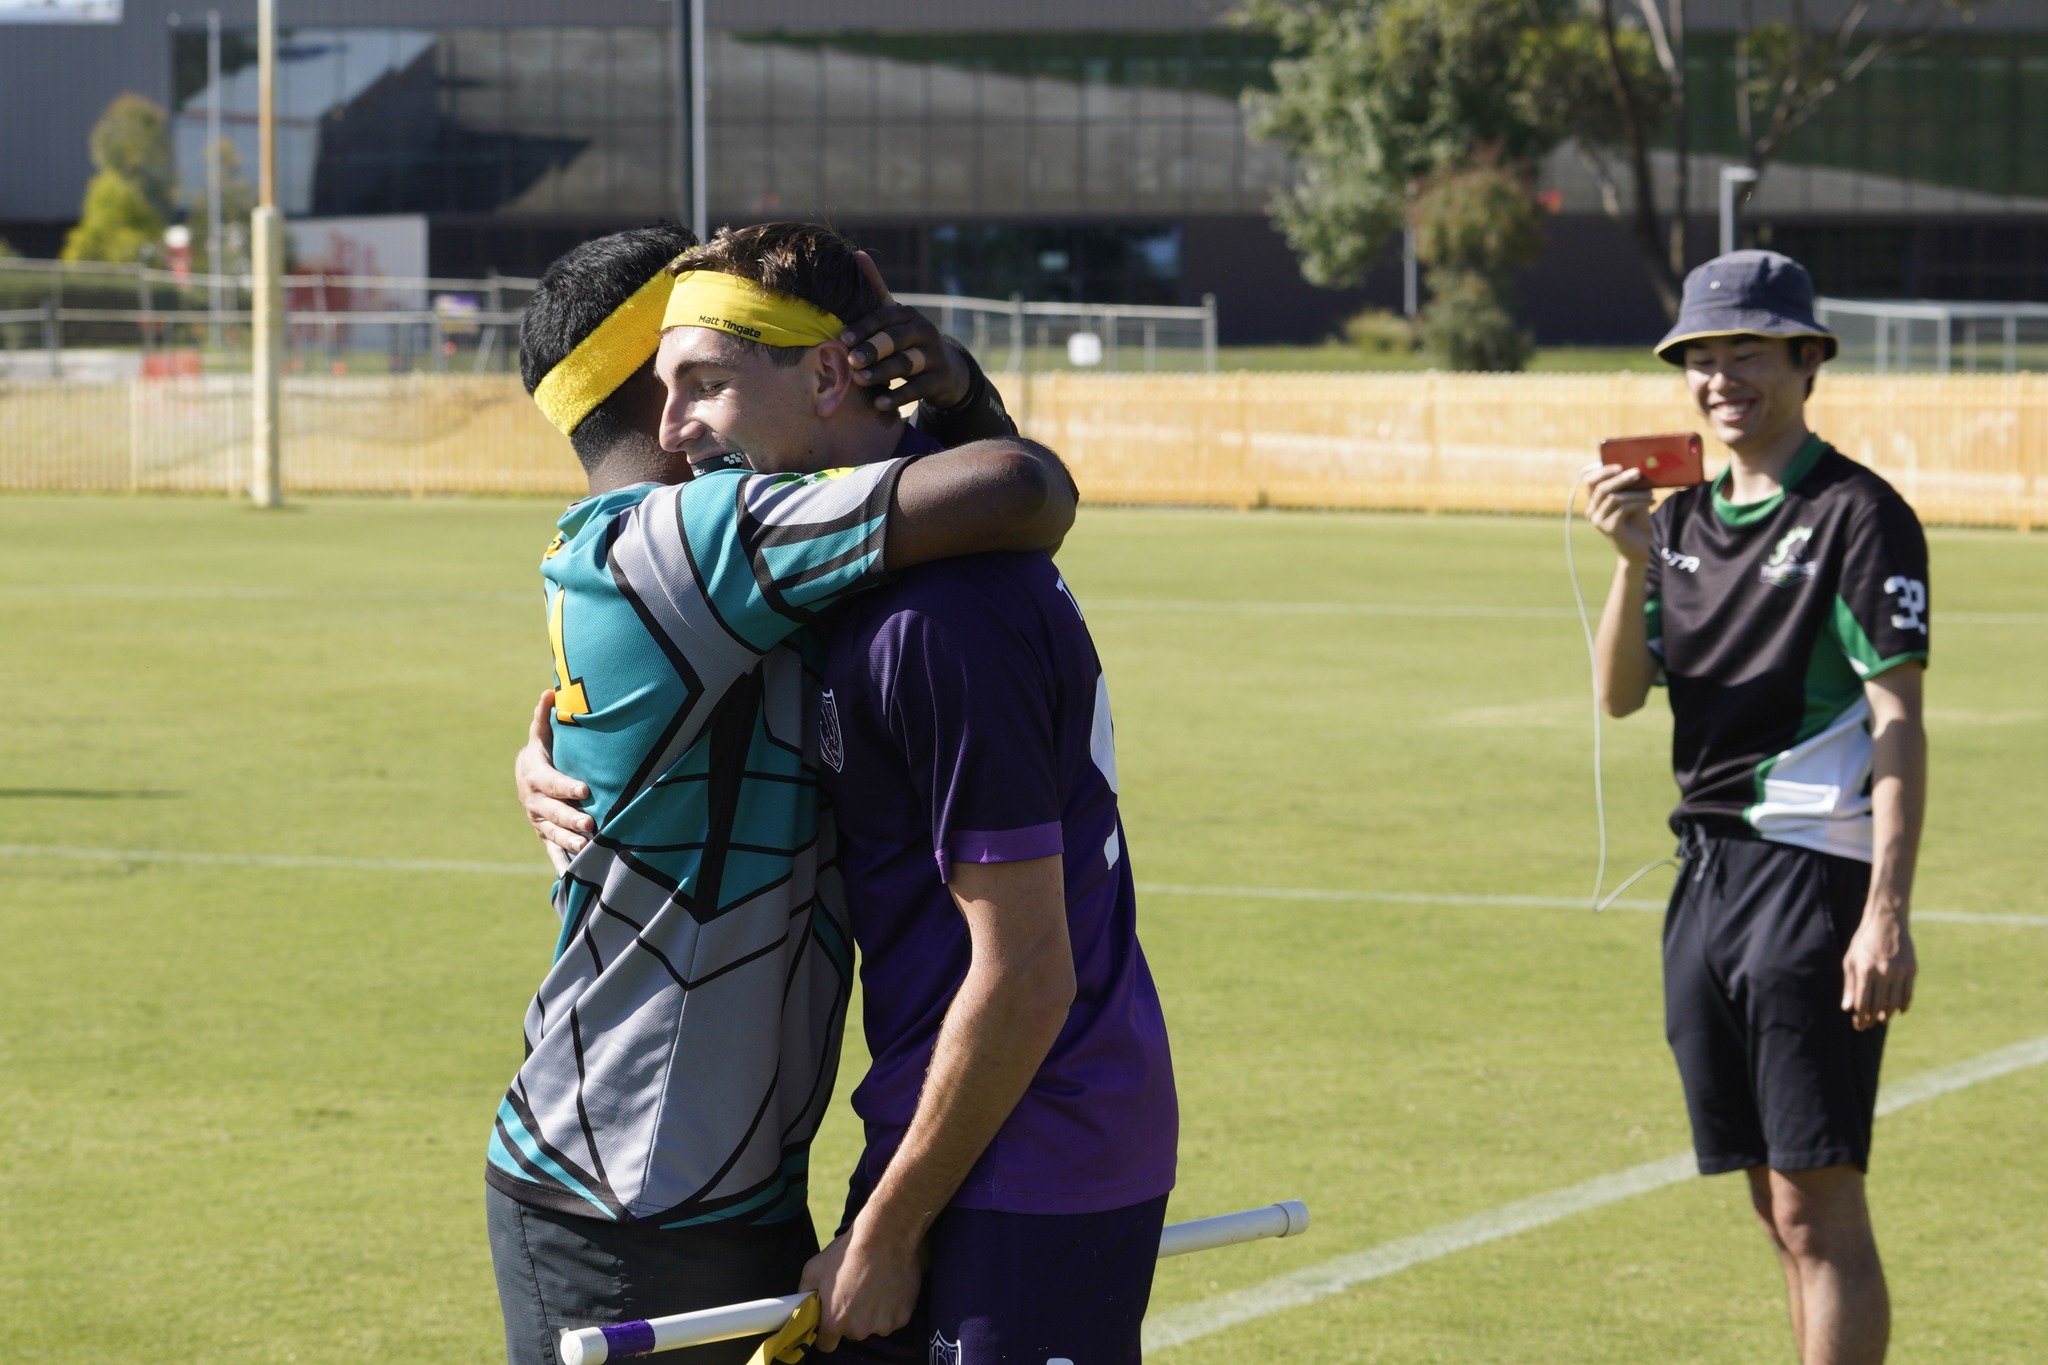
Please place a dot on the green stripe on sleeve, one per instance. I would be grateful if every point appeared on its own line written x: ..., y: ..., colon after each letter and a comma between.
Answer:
x: 1856, y: 645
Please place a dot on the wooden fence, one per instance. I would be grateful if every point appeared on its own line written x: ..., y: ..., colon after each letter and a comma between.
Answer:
x: 1968, y: 450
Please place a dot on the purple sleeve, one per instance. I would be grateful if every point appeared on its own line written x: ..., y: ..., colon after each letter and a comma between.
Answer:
x: 970, y: 703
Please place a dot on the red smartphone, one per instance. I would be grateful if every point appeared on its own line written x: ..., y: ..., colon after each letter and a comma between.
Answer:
x: 1672, y: 460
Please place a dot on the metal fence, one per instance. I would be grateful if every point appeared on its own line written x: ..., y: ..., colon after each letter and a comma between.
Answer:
x: 1112, y: 338
x: 1969, y: 450
x: 1930, y: 336
x: 104, y: 322
x: 107, y: 322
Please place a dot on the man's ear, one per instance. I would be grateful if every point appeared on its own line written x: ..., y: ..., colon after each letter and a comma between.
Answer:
x: 832, y: 379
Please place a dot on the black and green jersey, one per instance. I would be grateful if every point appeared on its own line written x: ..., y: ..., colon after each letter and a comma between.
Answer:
x: 1768, y: 617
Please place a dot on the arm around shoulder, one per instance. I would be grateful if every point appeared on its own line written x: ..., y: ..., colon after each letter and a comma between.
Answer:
x: 1009, y: 494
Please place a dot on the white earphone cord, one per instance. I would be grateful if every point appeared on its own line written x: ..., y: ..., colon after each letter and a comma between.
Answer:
x: 1571, y: 561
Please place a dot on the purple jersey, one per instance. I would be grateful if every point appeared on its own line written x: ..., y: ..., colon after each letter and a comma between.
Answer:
x: 965, y: 718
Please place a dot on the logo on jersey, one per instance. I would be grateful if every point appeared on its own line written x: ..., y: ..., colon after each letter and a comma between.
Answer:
x: 1687, y: 563
x: 831, y: 743
x: 1785, y: 567
x: 943, y: 1352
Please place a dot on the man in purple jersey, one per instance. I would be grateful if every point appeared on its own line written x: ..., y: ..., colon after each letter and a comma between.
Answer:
x: 1021, y: 1114
x: 1020, y: 1109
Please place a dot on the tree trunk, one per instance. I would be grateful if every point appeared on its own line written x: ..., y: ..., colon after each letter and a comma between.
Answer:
x: 1647, y: 230
x: 1681, y: 175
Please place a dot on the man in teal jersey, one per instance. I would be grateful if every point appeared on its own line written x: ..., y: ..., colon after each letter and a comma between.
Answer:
x: 650, y: 1155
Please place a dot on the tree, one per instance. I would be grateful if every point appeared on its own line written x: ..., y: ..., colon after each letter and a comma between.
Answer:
x: 1474, y: 229
x: 133, y: 140
x: 133, y: 192
x: 1377, y: 100
x: 116, y: 223
x: 1786, y: 72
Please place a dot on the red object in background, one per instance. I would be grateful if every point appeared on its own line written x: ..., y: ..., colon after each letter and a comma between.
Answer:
x: 1672, y: 460
x: 1551, y: 200
x: 170, y: 365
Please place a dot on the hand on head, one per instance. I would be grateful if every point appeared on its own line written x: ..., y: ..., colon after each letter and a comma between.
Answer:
x: 898, y: 342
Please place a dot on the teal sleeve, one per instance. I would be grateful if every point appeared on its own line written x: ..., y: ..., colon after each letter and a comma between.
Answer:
x: 771, y: 551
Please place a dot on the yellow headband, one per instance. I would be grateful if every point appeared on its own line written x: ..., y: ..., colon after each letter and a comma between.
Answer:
x: 607, y: 358
x: 727, y: 303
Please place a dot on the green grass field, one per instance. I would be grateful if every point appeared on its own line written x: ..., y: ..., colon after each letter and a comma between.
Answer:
x: 246, y: 1102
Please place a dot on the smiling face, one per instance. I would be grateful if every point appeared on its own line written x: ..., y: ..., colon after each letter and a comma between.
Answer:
x: 726, y: 398
x: 1751, y: 389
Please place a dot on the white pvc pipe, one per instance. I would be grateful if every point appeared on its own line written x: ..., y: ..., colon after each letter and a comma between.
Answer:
x: 595, y: 1345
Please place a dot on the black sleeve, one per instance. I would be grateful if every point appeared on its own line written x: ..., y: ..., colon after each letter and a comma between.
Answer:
x: 1653, y: 583
x: 1881, y: 607
x: 980, y: 416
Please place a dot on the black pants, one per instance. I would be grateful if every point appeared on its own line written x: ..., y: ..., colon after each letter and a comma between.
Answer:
x: 1774, y: 1072
x: 555, y: 1271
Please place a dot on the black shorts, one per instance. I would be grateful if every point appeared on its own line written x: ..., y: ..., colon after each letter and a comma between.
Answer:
x: 556, y: 1270
x: 1024, y: 1289
x: 1774, y: 1073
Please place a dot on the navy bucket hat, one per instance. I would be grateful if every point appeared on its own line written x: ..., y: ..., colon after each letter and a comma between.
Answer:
x: 1754, y: 293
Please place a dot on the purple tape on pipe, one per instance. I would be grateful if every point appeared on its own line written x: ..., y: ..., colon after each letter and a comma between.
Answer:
x: 628, y: 1339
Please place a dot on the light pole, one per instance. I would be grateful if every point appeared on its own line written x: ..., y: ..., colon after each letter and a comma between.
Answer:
x: 1411, y: 275
x: 1731, y: 178
x: 690, y: 138
x: 213, y: 261
x: 266, y: 243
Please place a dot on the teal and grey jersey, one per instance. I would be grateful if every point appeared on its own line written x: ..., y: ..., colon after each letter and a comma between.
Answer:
x: 682, y: 1048
x: 1768, y: 618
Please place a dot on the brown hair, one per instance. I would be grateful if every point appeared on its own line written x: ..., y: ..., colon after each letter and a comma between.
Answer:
x: 802, y: 260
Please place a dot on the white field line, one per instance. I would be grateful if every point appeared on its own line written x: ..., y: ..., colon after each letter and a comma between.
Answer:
x: 1453, y: 898
x: 538, y: 869
x: 1177, y: 1326
x: 235, y: 593
x: 1159, y: 606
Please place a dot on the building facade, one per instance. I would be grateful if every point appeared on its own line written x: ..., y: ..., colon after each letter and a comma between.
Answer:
x: 1098, y: 152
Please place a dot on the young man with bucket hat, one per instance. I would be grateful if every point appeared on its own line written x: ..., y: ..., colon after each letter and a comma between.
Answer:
x: 1785, y: 608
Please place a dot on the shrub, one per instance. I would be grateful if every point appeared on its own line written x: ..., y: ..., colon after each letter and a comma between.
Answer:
x: 1377, y: 331
x: 1470, y: 328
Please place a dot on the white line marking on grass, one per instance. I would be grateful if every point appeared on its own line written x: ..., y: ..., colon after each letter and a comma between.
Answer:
x: 1451, y: 610
x: 132, y: 593
x: 1339, y: 897
x: 1427, y: 610
x: 1454, y: 898
x: 1299, y: 1288
x: 537, y: 868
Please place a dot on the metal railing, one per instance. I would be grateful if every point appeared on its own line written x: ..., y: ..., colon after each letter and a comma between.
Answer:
x: 1107, y: 337
x: 81, y: 320
x: 130, y: 316
x: 1937, y: 336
